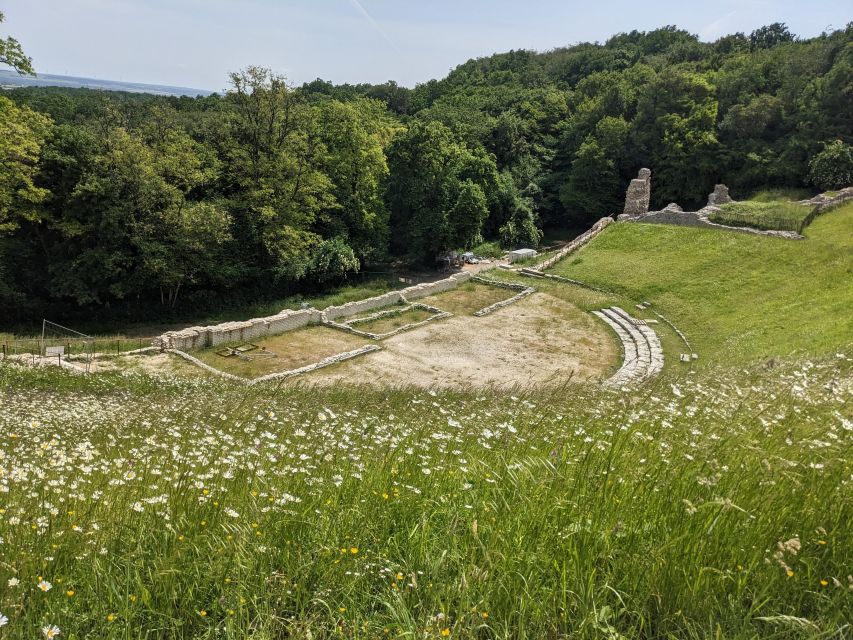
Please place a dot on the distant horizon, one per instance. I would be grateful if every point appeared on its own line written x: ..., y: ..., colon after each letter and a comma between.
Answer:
x: 44, y: 80
x: 179, y: 43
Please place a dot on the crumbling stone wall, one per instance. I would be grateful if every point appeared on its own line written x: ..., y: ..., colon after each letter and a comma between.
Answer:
x: 211, y: 336
x: 825, y: 202
x: 720, y: 195
x: 288, y: 320
x: 575, y: 244
x: 638, y: 194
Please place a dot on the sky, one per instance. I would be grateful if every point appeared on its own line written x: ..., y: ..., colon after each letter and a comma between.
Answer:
x: 196, y: 43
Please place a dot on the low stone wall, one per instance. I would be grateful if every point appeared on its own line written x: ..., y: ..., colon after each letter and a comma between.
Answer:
x: 248, y: 330
x: 394, y: 297
x: 824, y: 202
x: 288, y: 320
x: 438, y: 314
x: 526, y: 291
x: 700, y: 218
x: 533, y: 273
x: 325, y: 362
x: 575, y: 244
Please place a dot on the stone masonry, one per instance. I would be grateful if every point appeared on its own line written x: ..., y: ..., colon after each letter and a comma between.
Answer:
x: 288, y: 320
x: 720, y: 195
x: 638, y: 194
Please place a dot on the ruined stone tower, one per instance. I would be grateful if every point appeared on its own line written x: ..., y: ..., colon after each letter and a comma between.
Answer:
x: 639, y: 192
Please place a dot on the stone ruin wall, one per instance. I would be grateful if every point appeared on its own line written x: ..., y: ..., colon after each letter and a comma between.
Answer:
x: 673, y: 214
x: 394, y: 297
x: 575, y: 244
x: 639, y: 193
x: 289, y: 320
x: 214, y: 335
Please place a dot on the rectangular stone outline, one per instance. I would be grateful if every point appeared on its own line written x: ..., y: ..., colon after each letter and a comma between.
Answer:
x: 523, y: 292
x: 438, y: 314
x: 325, y: 362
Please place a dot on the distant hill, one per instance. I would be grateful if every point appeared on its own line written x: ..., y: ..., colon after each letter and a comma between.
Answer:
x: 11, y: 80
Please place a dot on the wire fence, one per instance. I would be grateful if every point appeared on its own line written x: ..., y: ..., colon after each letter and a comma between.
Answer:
x: 63, y: 347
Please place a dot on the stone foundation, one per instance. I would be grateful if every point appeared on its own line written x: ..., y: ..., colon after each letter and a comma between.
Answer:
x: 437, y: 314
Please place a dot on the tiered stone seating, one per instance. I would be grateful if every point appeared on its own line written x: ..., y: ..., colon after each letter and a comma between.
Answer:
x: 643, y: 355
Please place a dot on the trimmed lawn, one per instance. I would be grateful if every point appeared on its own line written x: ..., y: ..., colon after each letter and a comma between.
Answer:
x: 738, y: 297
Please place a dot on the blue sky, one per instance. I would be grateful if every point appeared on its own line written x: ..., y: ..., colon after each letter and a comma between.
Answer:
x: 196, y: 43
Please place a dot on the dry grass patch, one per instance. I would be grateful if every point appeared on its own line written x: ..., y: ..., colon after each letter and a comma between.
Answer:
x: 391, y: 322
x: 467, y: 298
x: 157, y: 364
x: 294, y: 349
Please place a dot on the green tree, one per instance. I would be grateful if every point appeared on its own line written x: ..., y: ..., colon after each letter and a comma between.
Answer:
x: 12, y: 55
x: 832, y: 168
x: 333, y: 260
x: 273, y: 159
x: 466, y: 217
x: 355, y: 135
x: 430, y: 168
x: 676, y: 128
x: 22, y: 134
x: 769, y: 36
x: 592, y: 189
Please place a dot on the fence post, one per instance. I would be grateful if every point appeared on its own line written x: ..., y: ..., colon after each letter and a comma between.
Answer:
x: 118, y: 347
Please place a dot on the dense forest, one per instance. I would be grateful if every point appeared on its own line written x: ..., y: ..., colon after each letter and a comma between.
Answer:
x: 132, y: 202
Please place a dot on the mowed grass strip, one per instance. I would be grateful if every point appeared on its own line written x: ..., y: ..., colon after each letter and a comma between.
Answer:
x: 785, y: 216
x: 738, y: 297
x: 468, y: 298
x: 293, y: 349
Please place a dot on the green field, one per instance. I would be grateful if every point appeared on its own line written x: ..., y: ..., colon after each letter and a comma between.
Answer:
x: 739, y: 298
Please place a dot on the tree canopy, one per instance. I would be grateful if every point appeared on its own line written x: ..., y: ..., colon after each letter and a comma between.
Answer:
x: 127, y: 200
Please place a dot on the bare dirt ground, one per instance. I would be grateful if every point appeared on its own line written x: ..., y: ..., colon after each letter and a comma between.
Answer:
x: 164, y: 364
x: 537, y: 341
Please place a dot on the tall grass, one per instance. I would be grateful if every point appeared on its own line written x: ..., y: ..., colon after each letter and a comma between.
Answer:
x: 715, y: 506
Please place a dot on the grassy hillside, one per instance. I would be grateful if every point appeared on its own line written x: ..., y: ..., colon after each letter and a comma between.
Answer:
x: 697, y: 508
x: 738, y: 297
x: 714, y: 502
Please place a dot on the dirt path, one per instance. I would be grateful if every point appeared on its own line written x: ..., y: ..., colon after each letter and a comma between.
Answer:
x: 537, y: 341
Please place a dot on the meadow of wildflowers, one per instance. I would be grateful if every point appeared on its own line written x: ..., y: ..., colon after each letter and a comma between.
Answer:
x: 702, y: 506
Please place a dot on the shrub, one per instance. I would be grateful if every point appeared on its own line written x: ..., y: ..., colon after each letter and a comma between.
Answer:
x: 832, y: 168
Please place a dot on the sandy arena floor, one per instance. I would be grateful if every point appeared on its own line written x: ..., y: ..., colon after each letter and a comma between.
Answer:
x: 539, y: 340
